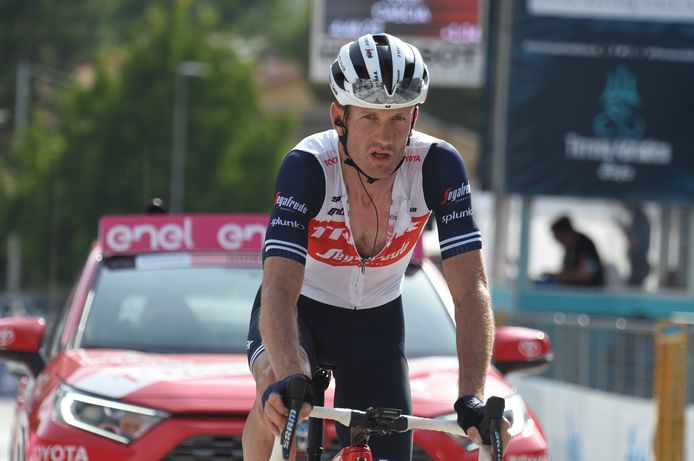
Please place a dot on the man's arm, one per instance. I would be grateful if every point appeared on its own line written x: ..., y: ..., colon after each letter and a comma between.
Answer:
x: 282, y: 280
x: 467, y: 281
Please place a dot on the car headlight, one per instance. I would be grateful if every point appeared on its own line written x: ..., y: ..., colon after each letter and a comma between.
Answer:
x: 114, y: 420
x: 515, y: 412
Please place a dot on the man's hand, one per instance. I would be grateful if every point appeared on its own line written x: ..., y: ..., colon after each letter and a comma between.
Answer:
x: 276, y: 403
x: 470, y: 410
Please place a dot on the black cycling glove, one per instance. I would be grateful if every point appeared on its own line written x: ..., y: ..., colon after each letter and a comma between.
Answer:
x: 281, y: 387
x: 470, y: 412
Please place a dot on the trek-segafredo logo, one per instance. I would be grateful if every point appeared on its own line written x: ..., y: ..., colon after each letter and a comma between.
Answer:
x: 289, y: 203
x: 451, y: 195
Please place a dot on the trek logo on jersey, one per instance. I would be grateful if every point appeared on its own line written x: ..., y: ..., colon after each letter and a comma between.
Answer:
x: 453, y: 195
x: 289, y: 203
x: 330, y: 232
x: 331, y: 243
x: 456, y: 215
x: 286, y: 223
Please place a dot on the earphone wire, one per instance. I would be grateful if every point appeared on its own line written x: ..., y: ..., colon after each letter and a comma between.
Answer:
x: 373, y: 247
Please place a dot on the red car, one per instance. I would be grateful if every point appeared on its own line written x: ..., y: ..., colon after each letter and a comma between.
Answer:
x: 147, y: 360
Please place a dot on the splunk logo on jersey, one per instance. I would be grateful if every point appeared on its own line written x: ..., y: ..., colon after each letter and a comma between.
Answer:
x: 456, y: 215
x: 289, y: 203
x: 453, y: 195
x: 286, y: 223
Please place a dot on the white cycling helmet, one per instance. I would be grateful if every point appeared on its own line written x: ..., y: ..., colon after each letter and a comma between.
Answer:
x: 379, y: 71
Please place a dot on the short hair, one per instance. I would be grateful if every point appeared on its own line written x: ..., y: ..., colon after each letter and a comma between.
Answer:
x: 562, y: 224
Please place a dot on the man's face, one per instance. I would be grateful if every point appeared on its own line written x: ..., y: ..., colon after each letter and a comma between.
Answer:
x: 376, y: 138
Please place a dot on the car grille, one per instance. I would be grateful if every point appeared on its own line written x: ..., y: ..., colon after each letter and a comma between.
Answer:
x: 418, y: 454
x: 207, y: 448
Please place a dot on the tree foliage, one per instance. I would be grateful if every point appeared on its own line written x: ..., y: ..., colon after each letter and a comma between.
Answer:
x: 111, y: 147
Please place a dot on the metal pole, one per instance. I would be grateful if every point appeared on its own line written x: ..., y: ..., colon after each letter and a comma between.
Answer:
x: 21, y: 107
x: 25, y: 72
x: 500, y: 14
x: 180, y: 125
x: 179, y: 142
x: 13, y: 277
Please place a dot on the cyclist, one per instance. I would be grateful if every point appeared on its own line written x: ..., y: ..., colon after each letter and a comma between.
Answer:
x: 350, y: 204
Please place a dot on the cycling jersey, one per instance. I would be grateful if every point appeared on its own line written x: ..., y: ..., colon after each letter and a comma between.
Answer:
x: 310, y: 223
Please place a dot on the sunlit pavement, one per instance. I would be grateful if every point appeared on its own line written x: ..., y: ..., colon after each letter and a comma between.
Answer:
x: 6, y: 415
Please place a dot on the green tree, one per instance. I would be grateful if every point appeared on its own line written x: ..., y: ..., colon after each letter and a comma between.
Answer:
x: 111, y: 148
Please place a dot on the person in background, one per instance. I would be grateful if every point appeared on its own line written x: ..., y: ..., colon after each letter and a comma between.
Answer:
x: 638, y: 235
x: 581, y: 265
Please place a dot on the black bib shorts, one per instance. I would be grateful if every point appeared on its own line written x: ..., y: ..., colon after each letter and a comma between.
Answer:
x: 367, y: 349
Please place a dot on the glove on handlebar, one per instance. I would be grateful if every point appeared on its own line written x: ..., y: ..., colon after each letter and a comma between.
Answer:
x: 281, y: 387
x: 470, y: 412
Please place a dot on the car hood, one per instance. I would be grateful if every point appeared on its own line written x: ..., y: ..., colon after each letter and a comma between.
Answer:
x: 222, y: 383
x: 434, y: 385
x: 207, y: 383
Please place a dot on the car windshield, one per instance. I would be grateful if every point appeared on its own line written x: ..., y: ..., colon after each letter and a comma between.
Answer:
x: 205, y: 309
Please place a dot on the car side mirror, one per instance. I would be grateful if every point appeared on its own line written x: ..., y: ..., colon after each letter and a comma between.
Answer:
x: 20, y: 341
x: 521, y: 349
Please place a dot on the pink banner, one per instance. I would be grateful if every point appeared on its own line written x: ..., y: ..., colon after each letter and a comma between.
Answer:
x: 181, y: 232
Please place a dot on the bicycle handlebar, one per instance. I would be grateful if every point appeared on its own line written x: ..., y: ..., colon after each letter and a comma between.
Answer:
x: 346, y: 417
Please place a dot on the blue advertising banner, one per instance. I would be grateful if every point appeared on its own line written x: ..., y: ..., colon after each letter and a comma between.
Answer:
x: 601, y: 100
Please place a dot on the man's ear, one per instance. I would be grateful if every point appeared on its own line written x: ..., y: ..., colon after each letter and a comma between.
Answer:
x: 337, y: 117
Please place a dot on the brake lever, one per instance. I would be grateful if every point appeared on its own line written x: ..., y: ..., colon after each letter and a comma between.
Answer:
x: 490, y: 427
x: 296, y: 390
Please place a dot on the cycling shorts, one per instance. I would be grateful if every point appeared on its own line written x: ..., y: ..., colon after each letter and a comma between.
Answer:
x: 366, y: 347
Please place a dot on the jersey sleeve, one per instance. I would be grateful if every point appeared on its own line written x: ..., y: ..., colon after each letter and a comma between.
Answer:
x: 299, y: 194
x: 447, y: 194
